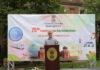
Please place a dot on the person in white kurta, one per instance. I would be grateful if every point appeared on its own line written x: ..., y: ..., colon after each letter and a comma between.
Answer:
x: 51, y: 40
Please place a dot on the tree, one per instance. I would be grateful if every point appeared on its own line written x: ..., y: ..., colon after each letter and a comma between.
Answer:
x: 92, y: 7
x: 32, y: 6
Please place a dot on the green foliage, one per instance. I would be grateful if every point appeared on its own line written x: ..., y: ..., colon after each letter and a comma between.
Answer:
x: 30, y: 7
x: 92, y: 7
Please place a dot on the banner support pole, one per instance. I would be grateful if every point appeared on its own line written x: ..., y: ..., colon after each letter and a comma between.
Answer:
x: 11, y: 65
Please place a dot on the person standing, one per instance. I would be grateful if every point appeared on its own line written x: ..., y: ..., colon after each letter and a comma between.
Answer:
x: 51, y: 40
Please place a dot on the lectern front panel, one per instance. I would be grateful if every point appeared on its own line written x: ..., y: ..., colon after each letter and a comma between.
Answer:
x: 52, y: 57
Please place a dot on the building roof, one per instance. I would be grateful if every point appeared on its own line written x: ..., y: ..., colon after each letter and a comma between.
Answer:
x: 68, y: 2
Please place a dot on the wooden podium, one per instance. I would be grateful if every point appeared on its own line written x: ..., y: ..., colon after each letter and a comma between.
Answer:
x: 52, y: 57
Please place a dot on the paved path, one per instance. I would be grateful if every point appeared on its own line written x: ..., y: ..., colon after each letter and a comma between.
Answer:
x: 81, y: 69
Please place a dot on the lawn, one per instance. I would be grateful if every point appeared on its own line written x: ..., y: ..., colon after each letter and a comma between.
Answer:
x: 74, y: 65
x: 61, y: 59
x: 64, y: 65
x: 78, y: 64
x: 1, y: 68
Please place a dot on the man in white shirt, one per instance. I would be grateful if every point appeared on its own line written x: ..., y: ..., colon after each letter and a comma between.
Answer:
x: 51, y: 40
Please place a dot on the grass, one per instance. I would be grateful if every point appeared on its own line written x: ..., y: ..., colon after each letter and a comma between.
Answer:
x: 98, y: 63
x: 1, y: 68
x: 74, y: 65
x: 78, y: 64
x: 67, y: 58
x: 65, y: 65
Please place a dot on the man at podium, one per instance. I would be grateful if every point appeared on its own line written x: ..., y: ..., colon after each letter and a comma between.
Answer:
x: 51, y: 53
x: 51, y: 40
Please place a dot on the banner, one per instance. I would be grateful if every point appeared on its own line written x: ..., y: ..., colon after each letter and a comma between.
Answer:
x: 27, y: 34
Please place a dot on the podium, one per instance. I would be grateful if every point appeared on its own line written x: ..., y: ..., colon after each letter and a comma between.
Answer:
x: 52, y: 57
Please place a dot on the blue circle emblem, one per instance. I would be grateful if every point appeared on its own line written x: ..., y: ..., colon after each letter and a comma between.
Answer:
x: 15, y: 34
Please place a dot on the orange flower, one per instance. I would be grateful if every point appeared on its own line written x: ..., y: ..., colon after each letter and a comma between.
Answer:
x: 92, y: 53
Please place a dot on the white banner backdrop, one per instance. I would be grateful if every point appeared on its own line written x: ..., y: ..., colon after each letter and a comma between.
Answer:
x: 27, y: 35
